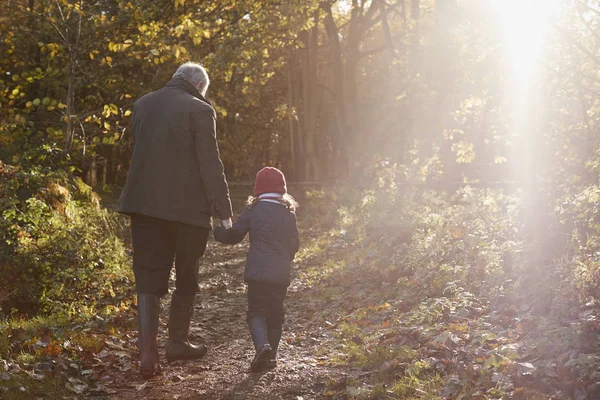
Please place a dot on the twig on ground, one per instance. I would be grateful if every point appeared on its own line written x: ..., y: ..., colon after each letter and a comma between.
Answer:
x: 7, y: 296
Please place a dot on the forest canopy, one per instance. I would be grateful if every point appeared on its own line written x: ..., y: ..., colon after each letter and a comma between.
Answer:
x: 450, y: 89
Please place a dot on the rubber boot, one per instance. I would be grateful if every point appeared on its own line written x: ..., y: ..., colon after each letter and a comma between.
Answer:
x: 258, y: 331
x: 148, y: 308
x: 274, y: 339
x: 179, y: 346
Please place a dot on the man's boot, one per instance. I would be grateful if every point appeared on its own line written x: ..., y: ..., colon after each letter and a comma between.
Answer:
x: 274, y: 339
x: 148, y: 307
x: 258, y: 331
x: 179, y: 346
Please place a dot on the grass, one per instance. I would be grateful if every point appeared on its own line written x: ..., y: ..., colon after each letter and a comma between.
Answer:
x: 419, y: 386
x: 17, y: 330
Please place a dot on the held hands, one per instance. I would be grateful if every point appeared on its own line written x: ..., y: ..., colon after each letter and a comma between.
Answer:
x: 226, y: 223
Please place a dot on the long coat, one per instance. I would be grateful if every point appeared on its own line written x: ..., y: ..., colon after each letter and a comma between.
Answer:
x: 176, y: 172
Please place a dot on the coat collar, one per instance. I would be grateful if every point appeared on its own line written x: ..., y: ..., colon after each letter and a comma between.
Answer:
x: 271, y: 198
x: 270, y: 195
x: 187, y: 87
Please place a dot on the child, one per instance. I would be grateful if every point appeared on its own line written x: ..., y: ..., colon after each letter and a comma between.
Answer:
x: 270, y: 219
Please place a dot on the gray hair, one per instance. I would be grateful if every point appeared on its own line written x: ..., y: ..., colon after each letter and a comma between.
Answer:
x: 193, y: 73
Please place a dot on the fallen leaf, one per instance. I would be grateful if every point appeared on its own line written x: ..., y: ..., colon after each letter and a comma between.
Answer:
x: 76, y: 386
x: 526, y: 368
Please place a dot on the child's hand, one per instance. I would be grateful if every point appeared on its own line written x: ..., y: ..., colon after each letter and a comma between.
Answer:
x: 226, y: 223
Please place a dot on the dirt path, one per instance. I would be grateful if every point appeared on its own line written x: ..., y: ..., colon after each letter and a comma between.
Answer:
x: 303, y: 371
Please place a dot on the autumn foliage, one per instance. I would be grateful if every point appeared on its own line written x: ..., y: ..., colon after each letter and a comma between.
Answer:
x: 451, y: 233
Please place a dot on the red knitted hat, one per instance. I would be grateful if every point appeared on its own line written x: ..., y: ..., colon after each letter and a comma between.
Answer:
x: 270, y: 180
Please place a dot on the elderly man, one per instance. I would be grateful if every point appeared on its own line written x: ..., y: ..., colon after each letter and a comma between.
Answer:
x: 175, y: 184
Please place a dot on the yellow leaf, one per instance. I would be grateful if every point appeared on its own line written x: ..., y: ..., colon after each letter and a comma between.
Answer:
x: 91, y: 55
x: 127, y: 113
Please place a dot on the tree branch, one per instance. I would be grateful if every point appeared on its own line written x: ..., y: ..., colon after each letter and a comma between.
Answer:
x: 371, y: 52
x: 370, y: 23
x: 584, y: 4
x: 575, y: 43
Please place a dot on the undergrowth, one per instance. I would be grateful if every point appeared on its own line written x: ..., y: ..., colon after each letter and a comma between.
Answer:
x: 445, y: 299
x: 65, y: 276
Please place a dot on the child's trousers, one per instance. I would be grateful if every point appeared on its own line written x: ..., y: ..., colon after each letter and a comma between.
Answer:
x: 265, y: 300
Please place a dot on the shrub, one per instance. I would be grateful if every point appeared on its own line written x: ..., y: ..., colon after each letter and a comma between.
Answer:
x: 59, y: 251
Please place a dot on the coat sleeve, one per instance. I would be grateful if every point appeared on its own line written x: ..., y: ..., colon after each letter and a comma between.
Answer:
x: 294, y: 241
x: 237, y: 232
x: 211, y: 168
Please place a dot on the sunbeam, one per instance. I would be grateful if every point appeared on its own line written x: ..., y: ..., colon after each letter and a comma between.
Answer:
x: 524, y: 26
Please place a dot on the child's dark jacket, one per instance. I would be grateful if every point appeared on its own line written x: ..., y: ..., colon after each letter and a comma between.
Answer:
x: 273, y: 241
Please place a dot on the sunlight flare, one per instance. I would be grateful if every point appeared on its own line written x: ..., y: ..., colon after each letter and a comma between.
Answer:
x: 525, y: 25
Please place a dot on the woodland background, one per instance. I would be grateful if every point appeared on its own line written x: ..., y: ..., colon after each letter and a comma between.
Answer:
x: 465, y: 184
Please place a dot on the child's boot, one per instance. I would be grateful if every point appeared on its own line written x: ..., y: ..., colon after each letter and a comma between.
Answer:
x: 274, y: 338
x: 258, y: 331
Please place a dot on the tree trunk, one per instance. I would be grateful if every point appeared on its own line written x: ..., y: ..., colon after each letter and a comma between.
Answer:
x: 311, y: 95
x: 344, y: 129
x: 93, y: 173
x: 387, y: 34
x: 73, y: 55
x: 358, y: 26
x: 292, y: 112
x: 298, y: 121
x: 315, y: 101
x: 415, y: 10
x: 104, y: 171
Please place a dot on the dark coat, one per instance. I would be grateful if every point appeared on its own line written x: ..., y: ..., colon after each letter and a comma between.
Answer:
x: 273, y: 241
x: 176, y: 172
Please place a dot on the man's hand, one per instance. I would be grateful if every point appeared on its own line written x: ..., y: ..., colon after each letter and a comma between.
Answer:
x: 226, y: 223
